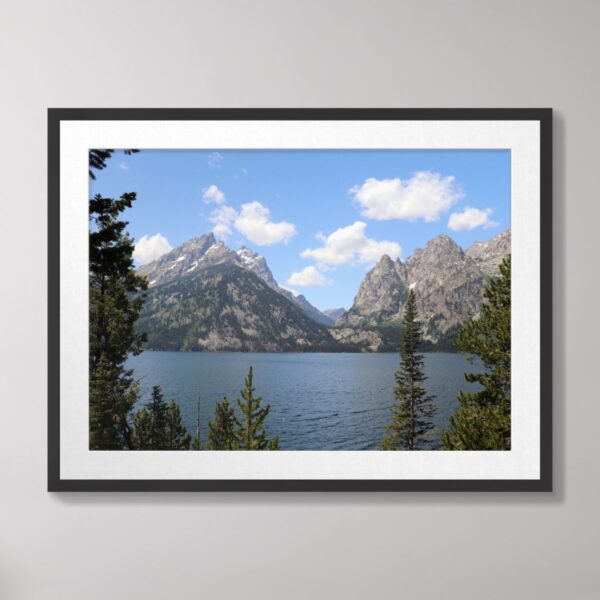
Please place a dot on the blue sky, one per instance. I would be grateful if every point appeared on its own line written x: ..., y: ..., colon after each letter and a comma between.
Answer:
x: 321, y: 218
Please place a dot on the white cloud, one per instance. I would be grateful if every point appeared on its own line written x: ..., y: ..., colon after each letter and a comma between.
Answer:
x: 307, y: 277
x: 213, y: 195
x: 222, y: 218
x: 253, y: 222
x: 424, y: 196
x: 214, y: 160
x: 470, y: 218
x: 123, y: 167
x: 149, y: 248
x: 350, y: 245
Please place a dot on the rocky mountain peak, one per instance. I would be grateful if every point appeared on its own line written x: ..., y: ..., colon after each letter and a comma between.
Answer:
x: 381, y: 293
x: 442, y: 240
x: 438, y: 246
x: 193, y: 257
x: 257, y: 264
x: 488, y: 255
x: 448, y: 282
x: 196, y: 246
x: 235, y: 298
x: 385, y: 262
x: 440, y: 253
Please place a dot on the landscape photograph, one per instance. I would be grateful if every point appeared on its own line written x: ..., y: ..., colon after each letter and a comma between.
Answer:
x: 285, y: 300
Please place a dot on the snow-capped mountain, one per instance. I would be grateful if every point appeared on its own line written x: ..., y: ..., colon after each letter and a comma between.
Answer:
x: 179, y: 309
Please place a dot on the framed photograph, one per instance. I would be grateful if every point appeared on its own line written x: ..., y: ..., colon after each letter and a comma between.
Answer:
x: 300, y: 300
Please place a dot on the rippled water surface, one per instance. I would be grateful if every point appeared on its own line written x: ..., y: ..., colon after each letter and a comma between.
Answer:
x: 318, y: 401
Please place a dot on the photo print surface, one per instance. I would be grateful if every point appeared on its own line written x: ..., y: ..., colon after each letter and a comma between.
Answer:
x: 284, y: 300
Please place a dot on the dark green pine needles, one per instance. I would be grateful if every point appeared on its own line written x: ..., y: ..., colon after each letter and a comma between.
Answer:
x: 177, y: 436
x: 483, y: 420
x: 413, y: 409
x: 250, y: 432
x: 221, y: 431
x: 117, y: 294
x: 116, y: 299
x: 228, y: 432
x: 158, y: 426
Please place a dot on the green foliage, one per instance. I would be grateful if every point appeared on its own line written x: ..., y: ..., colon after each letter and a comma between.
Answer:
x: 142, y: 424
x: 228, y: 432
x: 158, y: 410
x: 250, y: 431
x: 117, y: 296
x: 113, y: 392
x: 177, y: 314
x: 221, y: 431
x: 158, y: 426
x: 483, y: 419
x: 413, y: 409
x: 116, y: 299
x: 177, y: 436
x: 116, y: 292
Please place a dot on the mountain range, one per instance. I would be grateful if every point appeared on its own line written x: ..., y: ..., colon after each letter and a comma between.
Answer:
x: 204, y: 296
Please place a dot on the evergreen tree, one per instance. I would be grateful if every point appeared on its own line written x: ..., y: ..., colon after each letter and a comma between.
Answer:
x: 142, y: 424
x: 158, y: 426
x: 158, y: 410
x: 177, y: 436
x: 250, y: 431
x: 112, y: 395
x: 116, y: 299
x: 483, y: 420
x: 221, y: 431
x: 413, y: 409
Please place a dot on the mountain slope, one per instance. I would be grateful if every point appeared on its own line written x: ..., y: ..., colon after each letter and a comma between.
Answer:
x: 204, y: 296
x: 192, y: 256
x: 449, y: 284
x: 488, y: 255
x: 257, y: 264
x: 227, y: 307
x: 335, y: 313
x: 205, y: 251
x: 381, y: 295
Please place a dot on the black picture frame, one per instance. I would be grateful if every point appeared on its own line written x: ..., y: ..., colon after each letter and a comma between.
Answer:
x: 58, y: 115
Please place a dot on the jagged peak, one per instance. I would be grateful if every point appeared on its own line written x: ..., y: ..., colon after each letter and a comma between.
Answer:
x: 385, y: 261
x: 246, y: 253
x: 205, y: 238
x: 440, y: 243
x: 442, y: 240
x: 498, y: 237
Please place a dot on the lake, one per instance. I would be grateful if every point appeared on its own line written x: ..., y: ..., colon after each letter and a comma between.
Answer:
x: 318, y: 401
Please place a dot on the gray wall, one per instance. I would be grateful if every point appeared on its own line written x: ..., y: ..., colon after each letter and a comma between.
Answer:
x: 191, y: 53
